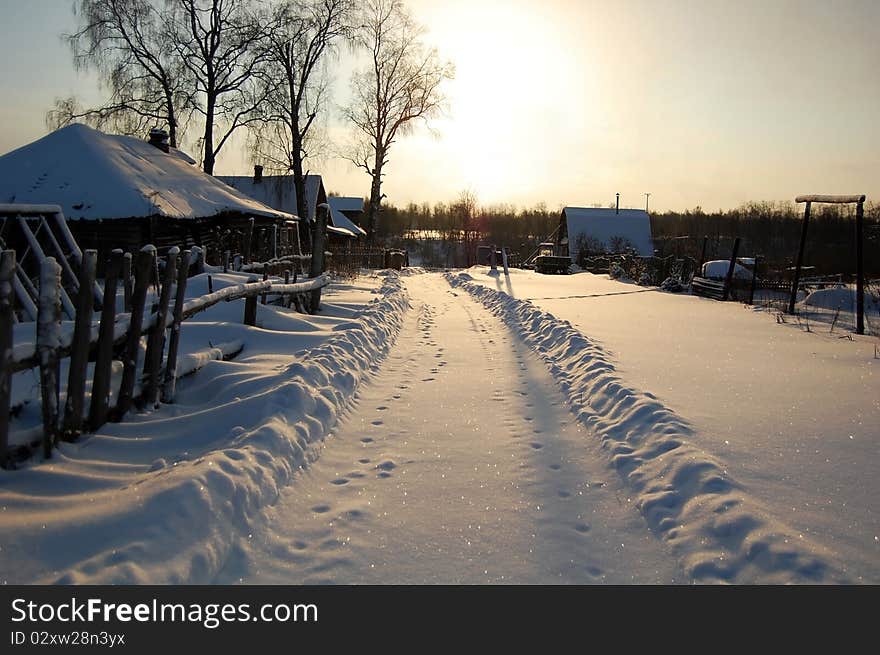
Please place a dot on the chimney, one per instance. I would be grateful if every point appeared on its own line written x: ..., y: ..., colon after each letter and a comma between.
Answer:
x: 617, y: 206
x: 159, y: 138
x: 258, y: 173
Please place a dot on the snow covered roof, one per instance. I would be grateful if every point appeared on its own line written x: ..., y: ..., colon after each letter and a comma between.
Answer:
x: 604, y: 224
x: 93, y: 175
x: 340, y: 220
x: 278, y: 191
x: 346, y: 204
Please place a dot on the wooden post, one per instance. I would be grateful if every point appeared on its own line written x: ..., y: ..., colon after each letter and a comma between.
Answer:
x: 492, y: 259
x: 265, y: 277
x: 285, y: 300
x: 226, y: 257
x: 754, y: 281
x: 250, y: 307
x: 142, y: 273
x: 248, y: 239
x: 702, y: 256
x: 317, y: 266
x: 104, y: 359
x: 7, y: 298
x: 168, y: 387
x: 156, y: 337
x: 79, y: 354
x: 860, y: 268
x: 730, y: 270
x: 800, y: 260
x: 210, y: 281
x: 48, y: 331
x: 126, y: 282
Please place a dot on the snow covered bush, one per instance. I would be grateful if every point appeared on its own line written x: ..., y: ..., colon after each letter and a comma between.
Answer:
x: 616, y: 271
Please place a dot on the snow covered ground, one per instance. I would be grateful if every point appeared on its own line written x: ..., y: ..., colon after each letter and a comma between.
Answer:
x: 159, y: 497
x: 791, y: 416
x: 472, y: 428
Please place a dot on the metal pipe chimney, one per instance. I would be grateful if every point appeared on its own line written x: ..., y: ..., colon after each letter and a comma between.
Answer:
x: 617, y: 206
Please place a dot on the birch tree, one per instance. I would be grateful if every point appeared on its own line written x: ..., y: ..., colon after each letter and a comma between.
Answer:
x: 302, y: 36
x: 400, y: 86
x: 220, y: 42
x: 129, y: 44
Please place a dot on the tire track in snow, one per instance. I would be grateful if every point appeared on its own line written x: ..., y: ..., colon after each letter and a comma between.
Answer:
x: 685, y: 495
x: 460, y: 463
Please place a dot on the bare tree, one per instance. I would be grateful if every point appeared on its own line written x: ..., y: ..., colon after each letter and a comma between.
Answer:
x: 128, y: 43
x: 401, y: 84
x: 302, y: 34
x: 220, y: 43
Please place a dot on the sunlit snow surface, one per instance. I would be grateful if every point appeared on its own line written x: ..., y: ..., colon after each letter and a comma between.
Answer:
x: 473, y: 428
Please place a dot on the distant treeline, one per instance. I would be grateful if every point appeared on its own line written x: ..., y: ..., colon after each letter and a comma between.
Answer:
x: 769, y: 229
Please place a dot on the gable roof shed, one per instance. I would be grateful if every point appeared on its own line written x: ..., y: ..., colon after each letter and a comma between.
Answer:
x: 604, y: 225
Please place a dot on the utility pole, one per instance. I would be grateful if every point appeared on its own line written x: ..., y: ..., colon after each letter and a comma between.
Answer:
x: 647, y: 195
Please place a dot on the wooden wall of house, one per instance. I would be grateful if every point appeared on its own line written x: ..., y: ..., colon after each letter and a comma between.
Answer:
x: 216, y: 234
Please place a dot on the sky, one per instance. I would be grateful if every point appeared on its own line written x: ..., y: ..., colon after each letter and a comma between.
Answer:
x: 567, y: 102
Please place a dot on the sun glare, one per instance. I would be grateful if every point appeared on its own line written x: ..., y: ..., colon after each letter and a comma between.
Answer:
x: 510, y: 66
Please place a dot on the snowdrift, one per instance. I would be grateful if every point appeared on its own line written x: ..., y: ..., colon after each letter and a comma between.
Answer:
x: 160, y: 499
x: 685, y: 495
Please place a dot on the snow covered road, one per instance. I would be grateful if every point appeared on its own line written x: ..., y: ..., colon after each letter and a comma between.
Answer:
x: 460, y: 463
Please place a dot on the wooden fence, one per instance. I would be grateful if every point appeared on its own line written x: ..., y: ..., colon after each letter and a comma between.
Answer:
x: 116, y: 336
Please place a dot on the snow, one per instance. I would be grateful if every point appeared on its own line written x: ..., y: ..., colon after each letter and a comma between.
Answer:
x: 93, y: 175
x: 791, y: 415
x: 604, y: 224
x: 717, y: 270
x: 473, y: 428
x: 278, y: 191
x: 160, y: 496
x: 341, y: 222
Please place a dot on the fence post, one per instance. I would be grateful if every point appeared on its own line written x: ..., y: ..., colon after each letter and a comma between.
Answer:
x: 250, y: 307
x: 702, y: 257
x: 317, y: 266
x: 730, y: 269
x: 48, y: 333
x: 860, y: 268
x: 754, y: 282
x: 104, y: 358
x: 126, y: 282
x: 800, y: 260
x: 142, y: 274
x: 226, y: 256
x: 7, y: 298
x: 170, y: 383
x: 79, y: 354
x: 265, y: 277
x: 248, y: 238
x: 285, y: 300
x: 156, y: 338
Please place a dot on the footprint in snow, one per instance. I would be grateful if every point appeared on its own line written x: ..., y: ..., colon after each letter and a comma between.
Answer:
x: 583, y: 528
x: 536, y: 445
x: 555, y: 467
x: 387, y: 465
x: 364, y: 460
x: 321, y: 509
x: 367, y: 440
x: 378, y: 422
x: 340, y: 481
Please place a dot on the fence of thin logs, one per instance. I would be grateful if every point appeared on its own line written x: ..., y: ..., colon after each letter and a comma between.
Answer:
x: 116, y: 337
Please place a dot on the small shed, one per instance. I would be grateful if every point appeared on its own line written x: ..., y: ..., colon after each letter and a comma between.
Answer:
x: 605, y: 229
x: 124, y: 192
x: 279, y: 192
x: 346, y: 213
